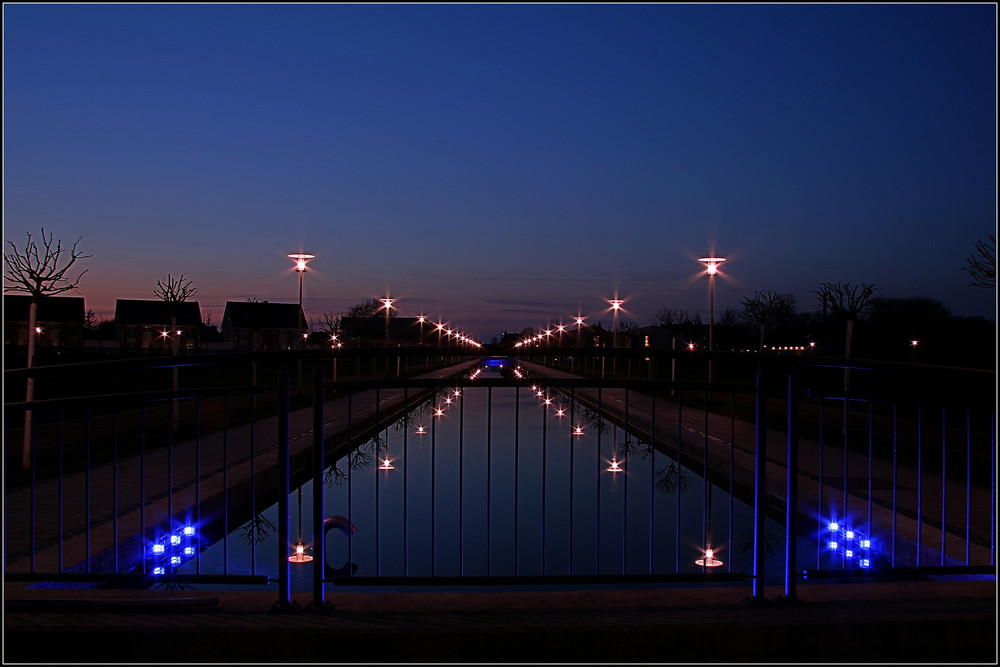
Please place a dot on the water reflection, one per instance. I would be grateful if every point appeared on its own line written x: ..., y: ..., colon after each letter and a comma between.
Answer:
x: 504, y: 481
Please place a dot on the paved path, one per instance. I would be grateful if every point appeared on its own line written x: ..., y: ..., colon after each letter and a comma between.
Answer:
x: 109, y: 498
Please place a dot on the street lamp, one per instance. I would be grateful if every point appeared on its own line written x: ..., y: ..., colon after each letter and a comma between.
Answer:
x: 711, y: 267
x: 615, y: 305
x: 300, y: 259
x: 387, y: 303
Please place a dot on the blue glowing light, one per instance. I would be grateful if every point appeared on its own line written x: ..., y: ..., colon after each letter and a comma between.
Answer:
x: 856, y: 549
x: 172, y: 550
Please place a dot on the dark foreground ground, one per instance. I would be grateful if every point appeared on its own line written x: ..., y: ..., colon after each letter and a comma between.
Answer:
x: 929, y: 621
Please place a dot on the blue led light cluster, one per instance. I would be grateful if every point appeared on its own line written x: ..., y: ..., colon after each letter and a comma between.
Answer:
x: 853, y: 546
x: 170, y: 551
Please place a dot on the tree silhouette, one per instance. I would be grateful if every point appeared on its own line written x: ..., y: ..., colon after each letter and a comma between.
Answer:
x: 174, y: 291
x: 982, y: 264
x: 37, y: 271
x: 849, y: 301
x: 766, y: 309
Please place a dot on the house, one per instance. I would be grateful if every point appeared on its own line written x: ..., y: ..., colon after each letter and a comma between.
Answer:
x: 153, y: 325
x: 60, y: 322
x: 261, y: 325
x: 371, y: 331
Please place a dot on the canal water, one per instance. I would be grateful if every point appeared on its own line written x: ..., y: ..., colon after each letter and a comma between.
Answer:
x: 507, y: 481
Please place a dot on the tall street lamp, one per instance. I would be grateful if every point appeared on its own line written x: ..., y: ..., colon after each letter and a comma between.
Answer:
x: 711, y: 267
x: 387, y: 303
x: 615, y: 305
x: 300, y: 259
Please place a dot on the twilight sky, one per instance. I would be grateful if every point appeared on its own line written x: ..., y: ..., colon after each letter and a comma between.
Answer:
x: 505, y: 165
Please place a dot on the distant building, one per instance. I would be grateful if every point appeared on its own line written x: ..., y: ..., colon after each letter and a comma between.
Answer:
x: 261, y: 325
x: 371, y: 332
x: 152, y: 325
x: 60, y: 322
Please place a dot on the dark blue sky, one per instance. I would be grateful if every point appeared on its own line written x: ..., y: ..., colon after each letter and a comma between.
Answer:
x: 503, y: 165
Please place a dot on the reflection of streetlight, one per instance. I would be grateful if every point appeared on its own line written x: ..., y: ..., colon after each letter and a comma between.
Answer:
x: 711, y: 267
x: 709, y: 559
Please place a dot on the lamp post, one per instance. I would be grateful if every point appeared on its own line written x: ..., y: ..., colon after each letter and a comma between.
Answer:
x: 300, y: 259
x: 711, y: 267
x: 387, y: 303
x: 615, y: 305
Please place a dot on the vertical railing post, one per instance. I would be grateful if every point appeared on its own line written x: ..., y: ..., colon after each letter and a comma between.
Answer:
x: 318, y: 536
x: 760, y: 492
x: 791, y: 487
x: 284, y: 487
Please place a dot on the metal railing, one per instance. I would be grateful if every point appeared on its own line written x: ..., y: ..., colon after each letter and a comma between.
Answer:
x: 891, y: 477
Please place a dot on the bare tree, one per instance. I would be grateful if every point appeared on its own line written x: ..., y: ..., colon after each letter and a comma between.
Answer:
x: 767, y: 309
x: 38, y: 271
x: 673, y: 317
x: 174, y: 291
x: 848, y: 300
x: 982, y: 264
x: 329, y: 323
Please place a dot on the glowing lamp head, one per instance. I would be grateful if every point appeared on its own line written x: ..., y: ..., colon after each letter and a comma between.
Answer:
x: 300, y: 259
x: 712, y: 264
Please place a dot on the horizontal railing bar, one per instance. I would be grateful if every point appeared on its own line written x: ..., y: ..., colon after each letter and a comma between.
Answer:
x: 575, y: 382
x: 166, y: 394
x: 132, y: 579
x: 874, y: 572
x: 106, y: 604
x: 535, y: 580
